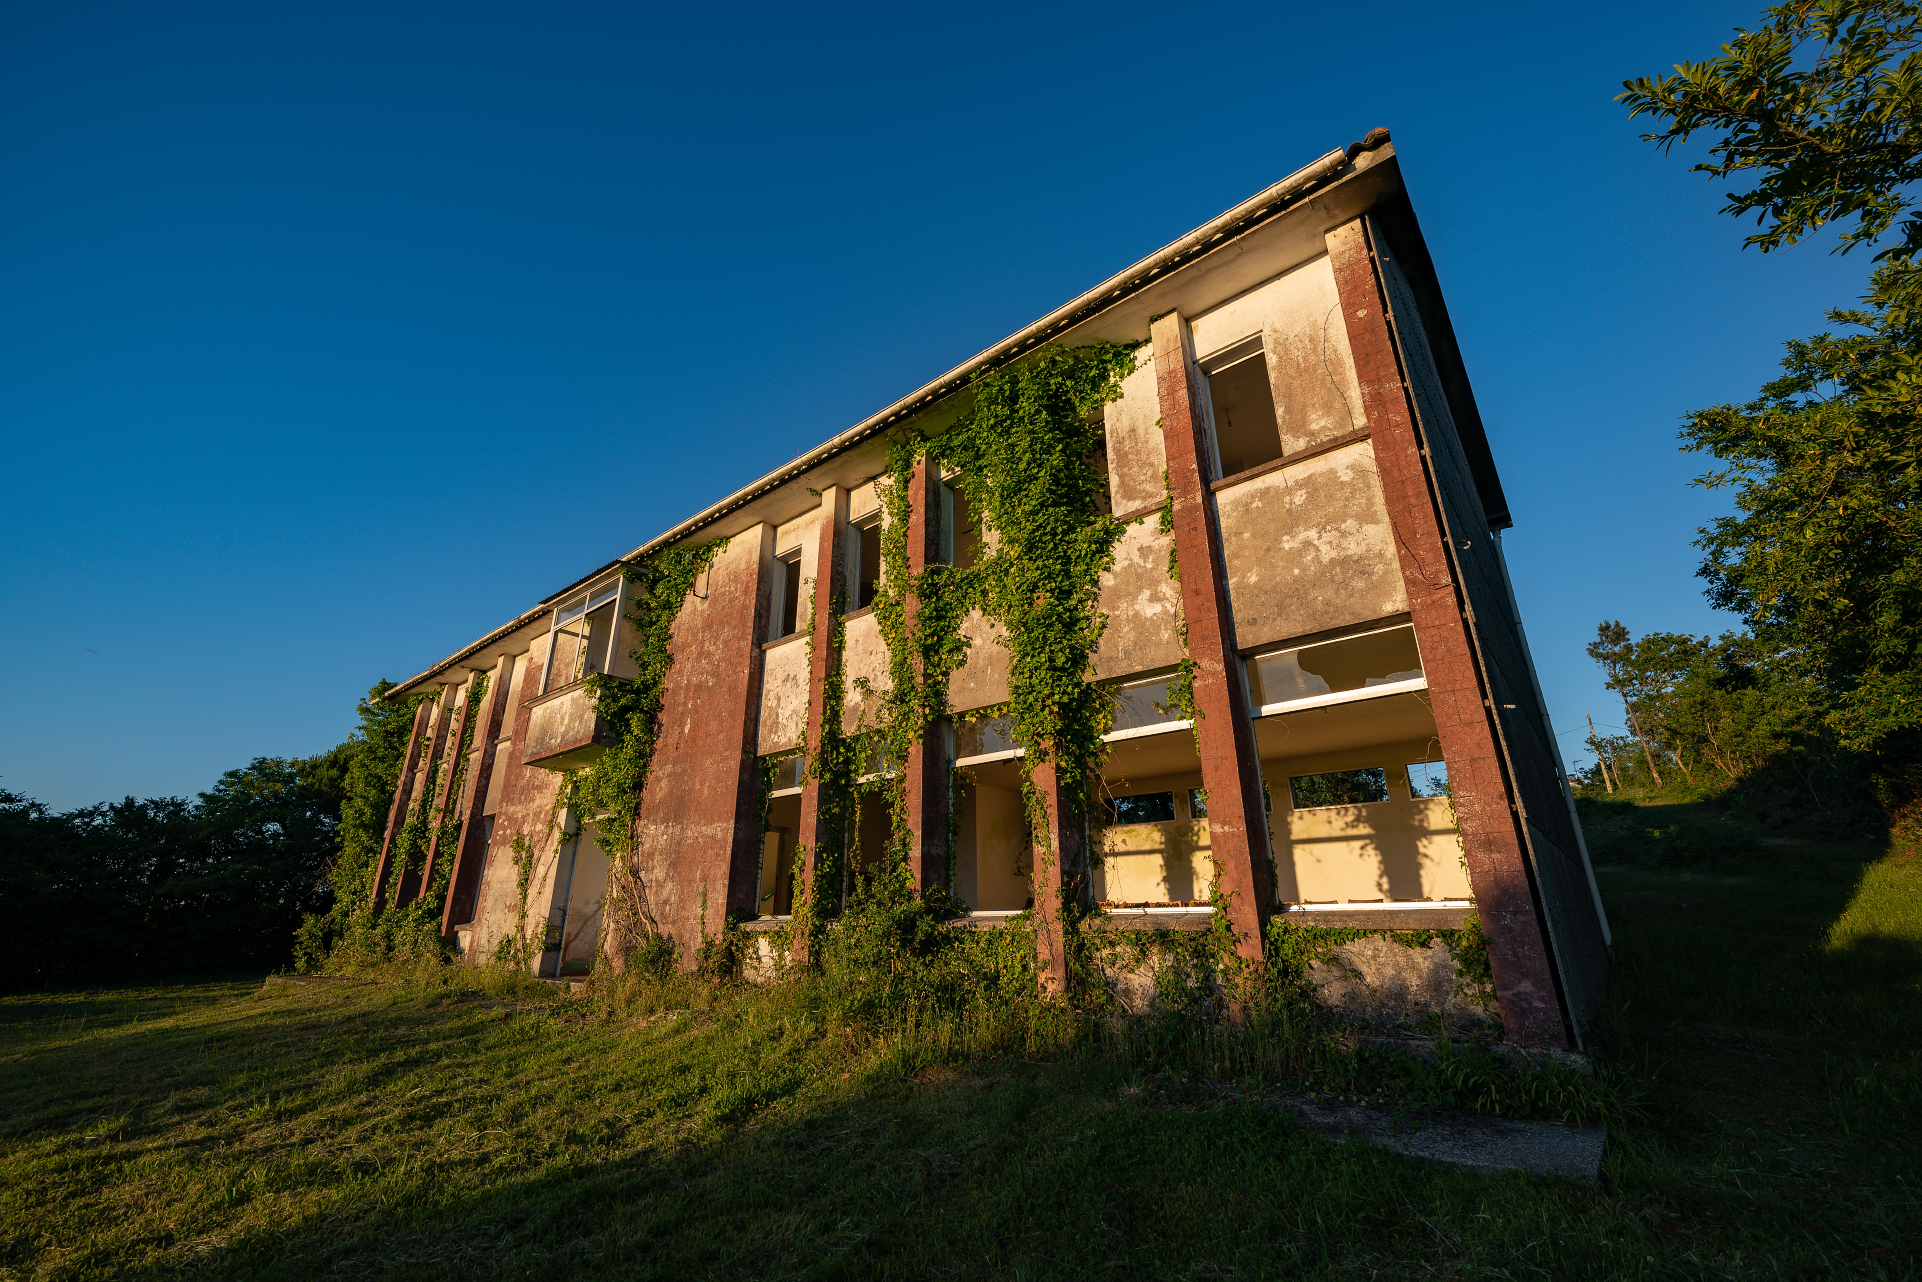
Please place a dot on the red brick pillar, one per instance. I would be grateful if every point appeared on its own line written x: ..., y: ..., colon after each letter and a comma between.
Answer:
x: 1230, y: 765
x: 471, y: 851
x: 1057, y: 874
x: 830, y: 583
x: 926, y: 769
x: 1491, y: 838
x: 397, y: 812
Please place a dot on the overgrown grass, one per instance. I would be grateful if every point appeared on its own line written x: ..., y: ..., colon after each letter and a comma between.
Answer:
x: 475, y: 1124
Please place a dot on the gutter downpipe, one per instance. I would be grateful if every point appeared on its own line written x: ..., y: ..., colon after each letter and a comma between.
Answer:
x: 1568, y: 796
x: 1090, y: 303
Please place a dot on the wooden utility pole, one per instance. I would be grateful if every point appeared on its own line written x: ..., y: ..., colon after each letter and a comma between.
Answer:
x: 1601, y: 758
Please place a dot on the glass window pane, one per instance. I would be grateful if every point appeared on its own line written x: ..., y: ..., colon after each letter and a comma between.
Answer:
x: 1282, y: 680
x: 1339, y: 788
x: 984, y: 737
x: 1428, y: 779
x: 1143, y: 705
x: 1355, y: 663
x: 1142, y: 808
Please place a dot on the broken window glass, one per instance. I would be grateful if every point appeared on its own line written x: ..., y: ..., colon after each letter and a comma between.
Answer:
x: 1334, y: 667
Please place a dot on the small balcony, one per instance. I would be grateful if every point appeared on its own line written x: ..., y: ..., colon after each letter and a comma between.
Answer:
x: 564, y: 732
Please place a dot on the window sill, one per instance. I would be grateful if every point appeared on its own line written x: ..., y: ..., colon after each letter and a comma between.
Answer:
x: 789, y: 639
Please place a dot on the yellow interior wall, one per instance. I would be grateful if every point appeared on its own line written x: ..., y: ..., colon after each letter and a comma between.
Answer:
x: 1158, y: 863
x: 991, y: 854
x: 1400, y: 849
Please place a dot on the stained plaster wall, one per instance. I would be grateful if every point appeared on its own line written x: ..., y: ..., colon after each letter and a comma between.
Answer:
x: 1309, y: 548
x: 523, y: 809
x: 1136, y: 452
x: 1142, y: 603
x: 699, y: 831
x: 1310, y: 370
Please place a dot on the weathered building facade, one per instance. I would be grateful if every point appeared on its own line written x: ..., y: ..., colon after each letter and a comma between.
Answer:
x: 1368, y: 746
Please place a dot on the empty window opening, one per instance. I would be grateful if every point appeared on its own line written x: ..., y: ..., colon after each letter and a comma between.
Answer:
x: 1428, y: 779
x: 1197, y: 803
x: 867, y: 562
x: 1242, y: 405
x: 1141, y: 808
x: 960, y: 542
x: 787, y: 586
x: 581, y: 637
x: 1339, y: 788
x: 1384, y: 658
x: 1104, y: 492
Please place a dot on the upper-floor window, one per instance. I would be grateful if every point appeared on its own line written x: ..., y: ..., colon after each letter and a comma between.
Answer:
x: 1348, y: 665
x: 865, y: 574
x: 786, y: 612
x: 1241, y: 407
x: 582, y: 634
x: 960, y: 543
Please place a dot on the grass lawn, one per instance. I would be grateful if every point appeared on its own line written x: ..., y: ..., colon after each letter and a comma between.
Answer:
x: 1768, y: 1002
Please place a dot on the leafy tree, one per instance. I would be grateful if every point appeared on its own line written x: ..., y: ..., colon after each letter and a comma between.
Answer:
x: 1613, y: 649
x: 1821, y: 106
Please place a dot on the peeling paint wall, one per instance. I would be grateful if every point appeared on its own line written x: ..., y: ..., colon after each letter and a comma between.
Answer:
x: 784, y: 695
x: 982, y: 682
x: 863, y: 657
x: 1136, y: 452
x: 1309, y: 548
x: 1142, y: 603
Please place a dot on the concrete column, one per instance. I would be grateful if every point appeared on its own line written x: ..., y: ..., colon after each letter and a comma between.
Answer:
x: 471, y: 851
x: 397, y: 812
x: 1230, y: 765
x: 698, y: 833
x: 926, y: 769
x: 1484, y: 811
x: 830, y: 586
x: 407, y: 880
x: 1057, y: 873
x: 446, y: 800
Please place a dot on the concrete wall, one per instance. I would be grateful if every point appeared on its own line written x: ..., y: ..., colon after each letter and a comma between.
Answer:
x: 784, y: 694
x: 982, y: 682
x: 1142, y: 603
x: 864, y: 656
x: 1136, y: 454
x: 698, y: 838
x: 1309, y: 548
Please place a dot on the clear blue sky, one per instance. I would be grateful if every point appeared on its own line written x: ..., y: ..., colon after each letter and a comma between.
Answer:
x: 332, y: 336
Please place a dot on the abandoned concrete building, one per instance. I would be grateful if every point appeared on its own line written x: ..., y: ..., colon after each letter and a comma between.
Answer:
x: 1369, y: 746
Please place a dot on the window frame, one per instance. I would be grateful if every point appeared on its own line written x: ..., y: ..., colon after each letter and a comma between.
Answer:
x: 589, y: 601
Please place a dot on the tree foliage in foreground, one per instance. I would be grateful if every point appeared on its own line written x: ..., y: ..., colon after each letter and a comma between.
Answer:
x: 1821, y: 106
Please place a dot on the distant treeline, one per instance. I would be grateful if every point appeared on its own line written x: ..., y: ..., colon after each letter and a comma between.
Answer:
x: 1725, y: 713
x: 168, y: 886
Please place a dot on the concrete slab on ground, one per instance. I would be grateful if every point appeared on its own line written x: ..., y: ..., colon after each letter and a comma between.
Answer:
x: 1488, y: 1145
